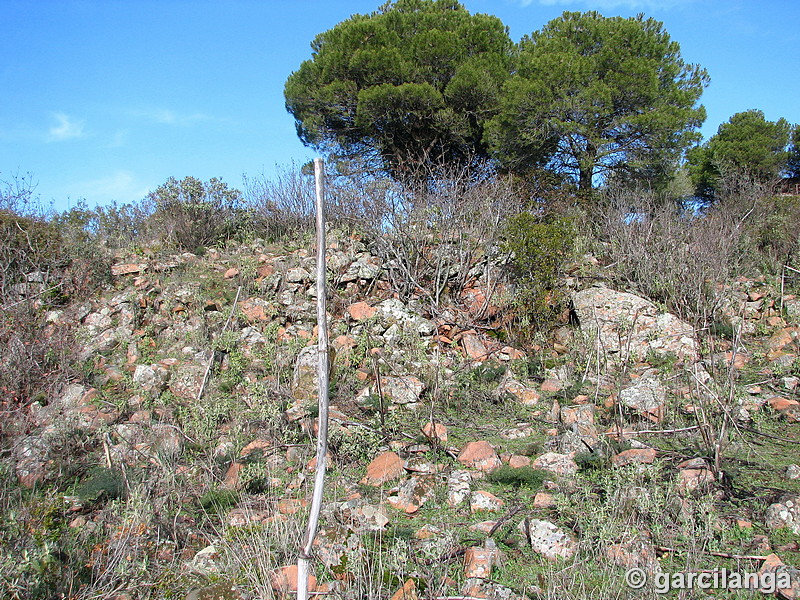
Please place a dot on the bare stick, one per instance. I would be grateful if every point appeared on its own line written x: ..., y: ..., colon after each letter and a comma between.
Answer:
x: 720, y: 554
x: 304, y: 557
x: 211, y: 360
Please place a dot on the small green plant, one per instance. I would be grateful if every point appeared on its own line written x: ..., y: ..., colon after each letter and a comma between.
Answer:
x: 101, y: 483
x: 588, y: 461
x: 539, y: 247
x: 356, y: 444
x: 487, y: 373
x: 518, y: 477
x: 217, y: 501
x: 663, y: 362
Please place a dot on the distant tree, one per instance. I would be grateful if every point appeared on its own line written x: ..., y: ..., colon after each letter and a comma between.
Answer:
x: 595, y: 96
x: 746, y: 142
x: 194, y: 214
x: 410, y: 85
x: 793, y: 162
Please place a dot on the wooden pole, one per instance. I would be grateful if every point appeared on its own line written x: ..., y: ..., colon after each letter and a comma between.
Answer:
x: 304, y: 558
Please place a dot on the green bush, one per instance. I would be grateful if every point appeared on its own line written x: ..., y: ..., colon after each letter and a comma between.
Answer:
x: 192, y: 214
x: 539, y: 245
x: 518, y: 477
x: 101, y: 484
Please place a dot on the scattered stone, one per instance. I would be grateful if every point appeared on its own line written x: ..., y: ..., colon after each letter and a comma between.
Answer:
x: 517, y: 461
x: 403, y: 390
x: 558, y: 464
x: 548, y: 539
x: 637, y: 553
x: 785, y: 513
x: 474, y: 348
x: 384, y: 467
x: 435, y: 432
x: 284, y: 580
x: 361, y: 311
x: 419, y: 464
x: 216, y: 591
x: 793, y: 472
x: 407, y: 592
x: 640, y: 456
x: 304, y: 381
x: 458, y: 489
x: 481, y: 456
x: 544, y: 500
x: 527, y: 395
x: 127, y: 269
x: 694, y: 474
x: 361, y: 516
x: 485, y: 501
x: 427, y: 532
x: 205, y: 561
x: 152, y: 378
x: 646, y: 396
x: 628, y: 325
x: 477, y: 588
x: 788, y: 408
x: 520, y: 431
x: 774, y: 565
x: 478, y: 561
x: 412, y: 494
x: 580, y: 414
x: 291, y: 506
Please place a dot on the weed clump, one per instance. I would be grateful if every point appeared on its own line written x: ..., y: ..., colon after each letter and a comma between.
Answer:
x: 518, y: 477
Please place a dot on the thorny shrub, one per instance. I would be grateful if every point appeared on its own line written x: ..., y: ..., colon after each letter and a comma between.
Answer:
x: 678, y: 254
x: 437, y: 239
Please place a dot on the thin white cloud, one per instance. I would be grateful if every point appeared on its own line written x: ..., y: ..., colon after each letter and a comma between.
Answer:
x: 612, y: 4
x: 65, y: 128
x: 170, y: 117
x: 120, y: 185
x: 119, y: 139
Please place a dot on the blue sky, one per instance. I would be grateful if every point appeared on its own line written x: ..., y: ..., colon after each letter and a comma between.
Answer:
x: 105, y: 99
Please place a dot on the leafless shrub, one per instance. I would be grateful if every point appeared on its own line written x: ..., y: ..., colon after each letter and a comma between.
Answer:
x: 437, y: 238
x: 46, y: 262
x: 678, y: 254
x: 282, y: 206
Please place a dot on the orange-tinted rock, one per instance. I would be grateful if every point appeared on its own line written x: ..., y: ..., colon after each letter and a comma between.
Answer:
x: 474, y: 347
x: 525, y: 394
x: 643, y: 456
x: 284, y: 580
x: 690, y: 480
x: 479, y: 455
x: 780, y: 404
x: 231, y: 479
x: 435, y: 432
x: 258, y: 445
x: 551, y: 385
x: 517, y: 460
x: 384, y: 467
x: 128, y: 269
x: 412, y: 494
x: 477, y: 305
x: 478, y: 561
x: 360, y: 311
x: 407, y: 592
x: 291, y: 506
x: 543, y: 500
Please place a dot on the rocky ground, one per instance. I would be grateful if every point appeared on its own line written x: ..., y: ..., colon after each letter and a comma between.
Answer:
x: 464, y: 461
